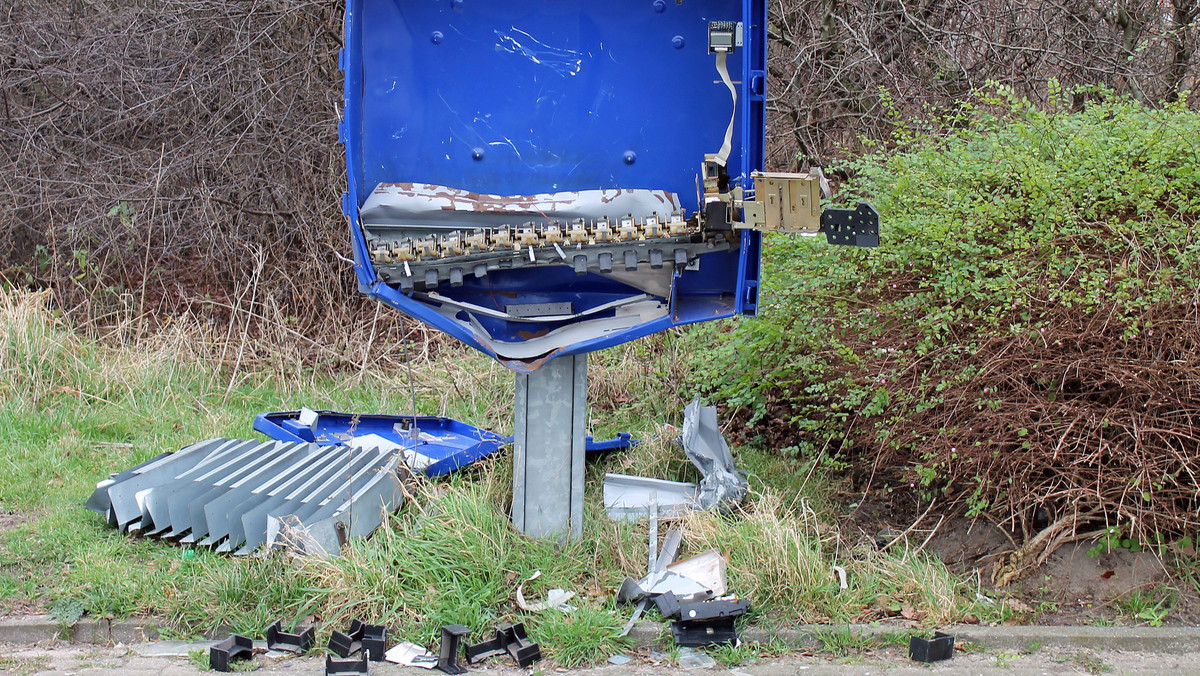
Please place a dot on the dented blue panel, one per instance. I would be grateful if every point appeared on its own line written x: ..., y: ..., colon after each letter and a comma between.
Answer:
x: 550, y: 97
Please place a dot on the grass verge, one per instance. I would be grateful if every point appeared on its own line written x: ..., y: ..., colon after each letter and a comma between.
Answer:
x: 74, y: 410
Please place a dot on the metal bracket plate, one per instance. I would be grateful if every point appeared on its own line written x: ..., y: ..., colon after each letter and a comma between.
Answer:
x: 852, y: 227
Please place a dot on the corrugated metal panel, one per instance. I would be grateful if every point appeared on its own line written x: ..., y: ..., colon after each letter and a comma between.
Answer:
x: 228, y: 493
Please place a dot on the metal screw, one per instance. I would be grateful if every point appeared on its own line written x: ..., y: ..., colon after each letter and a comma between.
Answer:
x: 436, y: 37
x: 677, y: 41
x: 660, y: 6
x: 477, y: 153
x: 630, y: 157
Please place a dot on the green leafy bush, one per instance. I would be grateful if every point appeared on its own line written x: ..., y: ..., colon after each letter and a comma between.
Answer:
x: 1026, y: 338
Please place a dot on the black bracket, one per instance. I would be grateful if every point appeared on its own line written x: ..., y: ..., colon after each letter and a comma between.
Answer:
x: 700, y: 634
x: 451, y: 640
x: 712, y: 610
x: 851, y: 227
x: 511, y: 639
x: 520, y: 648
x: 936, y: 649
x: 358, y: 665
x: 371, y: 639
x: 236, y: 647
x: 278, y: 639
x: 667, y: 604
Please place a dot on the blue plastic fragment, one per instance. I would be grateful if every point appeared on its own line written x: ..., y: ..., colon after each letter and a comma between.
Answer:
x: 451, y: 444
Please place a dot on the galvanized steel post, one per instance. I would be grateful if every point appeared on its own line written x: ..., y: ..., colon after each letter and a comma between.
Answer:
x: 549, y: 444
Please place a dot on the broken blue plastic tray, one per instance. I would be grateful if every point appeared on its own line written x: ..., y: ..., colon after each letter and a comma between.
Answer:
x: 450, y: 443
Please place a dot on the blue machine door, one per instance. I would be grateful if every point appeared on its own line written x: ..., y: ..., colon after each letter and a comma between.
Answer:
x: 528, y: 177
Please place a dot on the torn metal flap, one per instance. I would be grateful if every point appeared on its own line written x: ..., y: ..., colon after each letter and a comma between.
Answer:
x: 707, y: 568
x: 705, y: 446
x: 633, y: 497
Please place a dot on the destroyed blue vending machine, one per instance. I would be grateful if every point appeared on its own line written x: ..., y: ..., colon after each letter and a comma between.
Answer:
x: 548, y: 178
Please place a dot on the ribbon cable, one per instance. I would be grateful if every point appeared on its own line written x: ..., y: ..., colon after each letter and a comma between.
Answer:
x: 723, y: 154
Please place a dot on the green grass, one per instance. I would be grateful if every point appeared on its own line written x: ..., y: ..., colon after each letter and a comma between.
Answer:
x: 75, y: 409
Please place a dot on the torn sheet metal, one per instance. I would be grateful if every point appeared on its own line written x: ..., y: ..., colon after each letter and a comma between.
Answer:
x: 235, y: 495
x: 705, y: 446
x: 633, y: 497
x: 707, y: 568
x: 426, y: 208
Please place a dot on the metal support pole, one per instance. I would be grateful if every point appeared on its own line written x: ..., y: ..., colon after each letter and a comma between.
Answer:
x: 549, y: 444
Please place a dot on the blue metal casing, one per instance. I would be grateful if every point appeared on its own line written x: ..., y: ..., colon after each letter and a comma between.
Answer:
x: 547, y: 96
x: 451, y: 444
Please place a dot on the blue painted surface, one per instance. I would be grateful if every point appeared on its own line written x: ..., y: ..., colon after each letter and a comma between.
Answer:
x: 457, y: 444
x: 451, y: 444
x: 545, y: 96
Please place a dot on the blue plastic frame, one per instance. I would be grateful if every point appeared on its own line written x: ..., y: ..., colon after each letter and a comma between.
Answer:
x: 545, y: 96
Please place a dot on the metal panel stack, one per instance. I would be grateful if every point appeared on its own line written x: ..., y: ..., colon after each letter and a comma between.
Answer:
x: 236, y: 495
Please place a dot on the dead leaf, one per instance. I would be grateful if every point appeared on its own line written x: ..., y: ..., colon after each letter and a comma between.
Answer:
x: 1107, y: 574
x: 970, y: 619
x: 1017, y: 606
x: 910, y: 613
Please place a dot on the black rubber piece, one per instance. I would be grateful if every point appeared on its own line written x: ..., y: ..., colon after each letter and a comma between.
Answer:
x: 927, y: 650
x: 222, y: 655
x: 299, y: 643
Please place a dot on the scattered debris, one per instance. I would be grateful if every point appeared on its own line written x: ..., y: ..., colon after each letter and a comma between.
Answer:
x: 235, y: 648
x: 690, y: 658
x: 705, y: 446
x: 699, y: 634
x: 712, y: 610
x: 707, y: 568
x: 633, y: 497
x: 371, y: 639
x: 354, y: 665
x: 841, y: 577
x: 936, y: 649
x: 452, y: 635
x: 557, y: 598
x: 411, y: 655
x: 431, y: 444
x: 630, y: 497
x: 667, y: 604
x: 508, y: 638
x: 236, y: 495
x: 620, y: 660
x: 299, y: 643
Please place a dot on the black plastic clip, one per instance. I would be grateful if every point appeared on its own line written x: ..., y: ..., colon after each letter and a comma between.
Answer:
x: 357, y: 665
x: 371, y: 639
x: 519, y: 647
x: 667, y: 604
x: 936, y: 649
x: 485, y: 649
x: 712, y: 610
x: 700, y: 634
x: 236, y: 647
x: 451, y: 640
x: 278, y: 639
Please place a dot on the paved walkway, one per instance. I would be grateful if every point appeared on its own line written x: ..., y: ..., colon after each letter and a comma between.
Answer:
x: 145, y: 659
